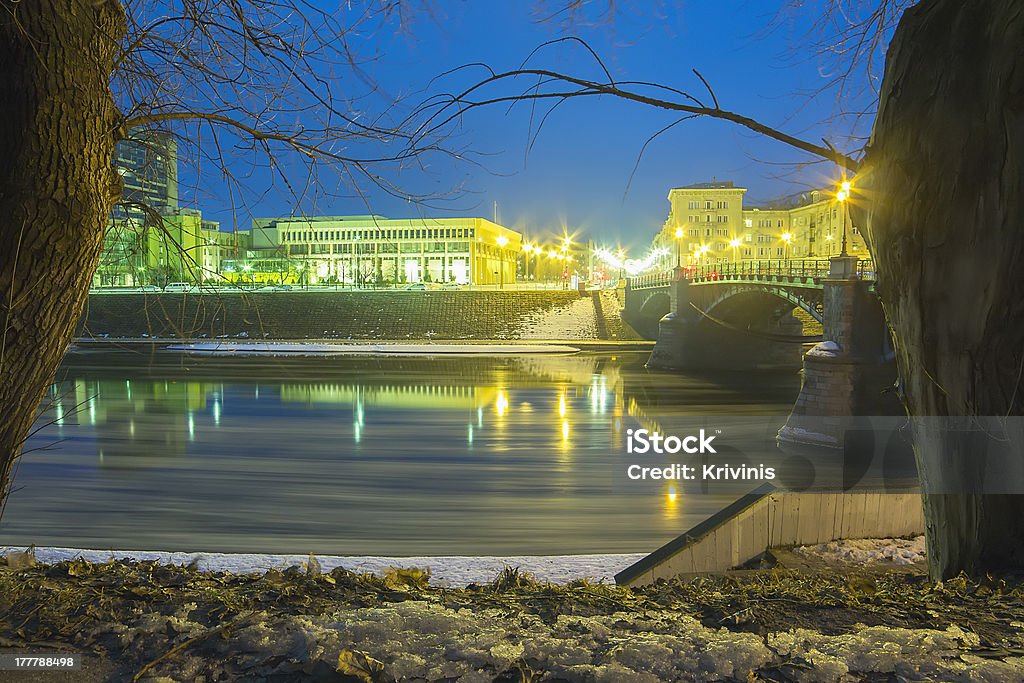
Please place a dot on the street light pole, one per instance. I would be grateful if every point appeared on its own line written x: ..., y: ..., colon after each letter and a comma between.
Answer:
x: 679, y: 258
x: 842, y: 196
x: 502, y: 241
x: 734, y: 243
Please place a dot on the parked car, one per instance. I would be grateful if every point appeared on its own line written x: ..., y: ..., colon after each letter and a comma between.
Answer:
x: 149, y: 288
x: 279, y: 288
x: 178, y: 287
x: 416, y: 286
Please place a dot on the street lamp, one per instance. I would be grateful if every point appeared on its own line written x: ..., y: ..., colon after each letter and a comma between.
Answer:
x: 787, y: 237
x: 528, y: 248
x: 734, y: 243
x: 842, y: 195
x: 679, y: 236
x: 502, y: 241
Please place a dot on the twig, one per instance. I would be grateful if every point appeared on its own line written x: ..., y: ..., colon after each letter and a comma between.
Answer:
x: 185, y: 643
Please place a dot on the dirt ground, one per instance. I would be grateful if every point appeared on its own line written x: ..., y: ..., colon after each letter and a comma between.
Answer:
x: 797, y: 621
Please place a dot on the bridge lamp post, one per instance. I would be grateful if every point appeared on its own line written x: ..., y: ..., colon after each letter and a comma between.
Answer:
x: 735, y: 244
x: 842, y: 195
x: 787, y: 237
x: 502, y: 242
x: 679, y: 236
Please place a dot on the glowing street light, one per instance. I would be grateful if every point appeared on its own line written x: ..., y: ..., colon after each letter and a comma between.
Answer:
x: 734, y: 243
x: 502, y: 242
x: 529, y: 249
x: 679, y: 236
x: 787, y: 238
x: 842, y: 195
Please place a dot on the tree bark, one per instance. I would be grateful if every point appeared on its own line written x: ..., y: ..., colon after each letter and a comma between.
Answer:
x: 57, y: 187
x: 942, y: 187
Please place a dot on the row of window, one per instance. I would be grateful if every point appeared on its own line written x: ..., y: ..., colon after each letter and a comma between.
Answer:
x: 709, y: 218
x: 370, y: 248
x: 707, y: 204
x: 377, y: 234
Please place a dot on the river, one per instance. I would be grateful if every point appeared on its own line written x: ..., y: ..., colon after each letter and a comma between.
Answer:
x: 413, y: 455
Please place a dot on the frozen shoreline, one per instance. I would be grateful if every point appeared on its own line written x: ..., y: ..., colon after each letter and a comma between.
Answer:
x: 234, y: 348
x: 450, y: 571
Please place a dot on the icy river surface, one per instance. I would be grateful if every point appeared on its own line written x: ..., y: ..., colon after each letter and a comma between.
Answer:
x: 420, y: 455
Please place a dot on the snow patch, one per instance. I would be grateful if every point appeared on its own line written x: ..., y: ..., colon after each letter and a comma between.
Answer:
x: 867, y: 550
x: 445, y: 570
x: 577, y: 320
x: 825, y: 349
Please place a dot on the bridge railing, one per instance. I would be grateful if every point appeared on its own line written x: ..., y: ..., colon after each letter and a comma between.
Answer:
x: 652, y: 280
x: 805, y: 270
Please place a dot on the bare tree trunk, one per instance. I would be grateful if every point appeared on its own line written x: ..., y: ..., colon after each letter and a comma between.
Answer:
x: 944, y: 184
x: 57, y: 187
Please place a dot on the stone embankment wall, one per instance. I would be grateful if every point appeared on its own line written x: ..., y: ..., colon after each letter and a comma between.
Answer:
x: 344, y: 315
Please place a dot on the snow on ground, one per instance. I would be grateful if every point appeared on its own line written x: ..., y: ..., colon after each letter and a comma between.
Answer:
x: 314, y: 349
x: 421, y: 640
x: 863, y: 551
x: 575, y: 320
x: 445, y: 571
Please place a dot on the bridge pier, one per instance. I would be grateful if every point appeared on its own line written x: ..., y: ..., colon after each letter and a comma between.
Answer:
x: 675, y: 330
x: 848, y: 372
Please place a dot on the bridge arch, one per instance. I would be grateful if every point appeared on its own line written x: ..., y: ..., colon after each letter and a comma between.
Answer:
x: 712, y: 297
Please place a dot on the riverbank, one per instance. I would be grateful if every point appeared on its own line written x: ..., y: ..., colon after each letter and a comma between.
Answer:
x: 500, y: 315
x: 237, y: 347
x: 156, y: 622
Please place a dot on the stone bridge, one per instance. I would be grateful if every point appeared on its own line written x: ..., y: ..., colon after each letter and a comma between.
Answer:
x: 741, y: 315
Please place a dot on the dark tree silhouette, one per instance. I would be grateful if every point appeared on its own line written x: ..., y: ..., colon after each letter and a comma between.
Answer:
x: 237, y: 83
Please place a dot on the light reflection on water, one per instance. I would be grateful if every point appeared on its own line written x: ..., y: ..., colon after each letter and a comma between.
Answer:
x: 511, y: 455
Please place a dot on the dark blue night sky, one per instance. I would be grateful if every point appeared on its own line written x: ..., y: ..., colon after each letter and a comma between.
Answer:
x: 576, y: 175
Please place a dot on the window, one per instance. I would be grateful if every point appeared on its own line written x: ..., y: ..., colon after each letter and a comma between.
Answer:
x: 723, y: 205
x: 748, y: 238
x: 693, y: 232
x: 748, y: 223
x: 707, y: 204
x: 723, y: 219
